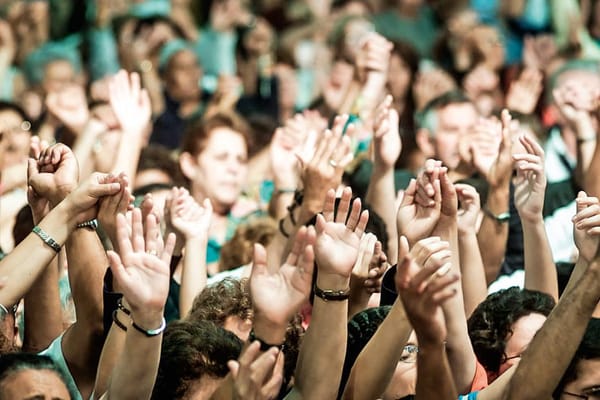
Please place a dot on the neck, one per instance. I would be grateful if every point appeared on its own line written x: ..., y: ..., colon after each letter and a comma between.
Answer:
x: 408, y: 10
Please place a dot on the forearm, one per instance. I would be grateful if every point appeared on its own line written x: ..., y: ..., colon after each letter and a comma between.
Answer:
x: 12, y: 178
x: 492, y: 235
x: 153, y: 84
x: 113, y: 348
x: 473, y: 281
x: 591, y: 182
x: 586, y: 146
x: 375, y: 366
x: 27, y: 261
x: 280, y: 200
x: 359, y: 299
x: 540, y: 270
x: 381, y: 197
x: 83, y: 148
x: 128, y: 154
x: 43, y: 316
x: 321, y: 358
x: 434, y: 379
x: 534, y: 372
x: 193, y: 274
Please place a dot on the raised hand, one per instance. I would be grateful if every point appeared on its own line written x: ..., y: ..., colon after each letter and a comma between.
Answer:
x: 500, y: 172
x: 83, y: 200
x: 360, y: 271
x: 414, y: 220
x: 186, y: 216
x: 141, y: 268
x: 54, y: 174
x: 277, y: 294
x: 530, y: 183
x: 480, y: 147
x: 387, y: 142
x: 423, y: 283
x: 338, y: 236
x: 576, y: 101
x: 525, y: 92
x: 70, y: 107
x: 586, y: 226
x: 470, y: 206
x: 39, y: 205
x: 110, y: 206
x: 130, y: 103
x: 257, y: 375
x: 286, y: 143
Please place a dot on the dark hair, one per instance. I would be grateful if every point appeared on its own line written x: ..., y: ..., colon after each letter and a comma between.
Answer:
x: 159, y: 157
x: 229, y: 297
x: 239, y: 250
x: 8, y: 106
x: 490, y: 325
x: 361, y: 329
x: 588, y: 349
x: 197, y: 135
x: 16, y: 362
x: 192, y: 350
x: 423, y: 117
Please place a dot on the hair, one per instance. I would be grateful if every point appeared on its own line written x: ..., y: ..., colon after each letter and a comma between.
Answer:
x: 14, y: 363
x: 192, y: 350
x: 588, y: 349
x: 159, y: 157
x: 229, y: 297
x: 361, y: 329
x: 583, y: 65
x: 239, y: 250
x: 427, y: 118
x: 17, y: 109
x: 490, y: 325
x: 198, y: 134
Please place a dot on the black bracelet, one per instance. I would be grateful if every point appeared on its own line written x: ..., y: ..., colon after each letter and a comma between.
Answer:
x: 281, y: 229
x: 332, y: 295
x: 117, y: 322
x: 150, y: 332
x: 264, y: 346
x: 121, y: 307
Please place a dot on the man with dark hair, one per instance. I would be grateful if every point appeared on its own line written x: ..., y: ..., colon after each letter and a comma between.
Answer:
x: 193, y: 360
x: 29, y: 376
x: 502, y: 326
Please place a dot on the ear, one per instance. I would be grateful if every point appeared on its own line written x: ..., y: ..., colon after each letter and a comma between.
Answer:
x: 188, y: 165
x: 425, y: 142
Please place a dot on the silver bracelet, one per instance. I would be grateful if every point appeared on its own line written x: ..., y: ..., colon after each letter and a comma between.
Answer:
x: 150, y: 332
x: 46, y: 238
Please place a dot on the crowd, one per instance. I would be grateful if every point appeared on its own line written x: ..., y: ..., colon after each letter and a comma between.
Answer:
x: 304, y: 199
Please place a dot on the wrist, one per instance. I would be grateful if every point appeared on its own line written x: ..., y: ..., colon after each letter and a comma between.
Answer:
x: 147, y: 320
x: 268, y: 330
x: 329, y: 281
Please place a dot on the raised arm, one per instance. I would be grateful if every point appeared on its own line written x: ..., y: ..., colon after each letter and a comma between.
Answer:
x: 321, y: 357
x: 142, y: 272
x: 530, y: 185
x: 381, y: 193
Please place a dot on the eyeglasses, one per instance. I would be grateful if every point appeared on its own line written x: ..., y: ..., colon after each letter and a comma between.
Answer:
x: 409, y: 355
x: 589, y: 394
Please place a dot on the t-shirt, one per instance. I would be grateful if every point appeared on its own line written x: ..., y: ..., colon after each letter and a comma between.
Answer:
x: 54, y: 351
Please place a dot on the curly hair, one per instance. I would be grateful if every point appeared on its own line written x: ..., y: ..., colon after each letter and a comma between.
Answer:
x: 490, y: 325
x: 239, y: 249
x: 192, y: 350
x: 229, y: 297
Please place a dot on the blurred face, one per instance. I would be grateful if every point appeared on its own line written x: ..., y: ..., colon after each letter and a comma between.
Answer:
x: 335, y: 88
x: 34, y: 384
x: 399, y: 77
x: 14, y: 139
x: 587, y: 382
x: 404, y: 380
x: 488, y: 41
x: 221, y: 168
x: 453, y: 121
x: 57, y: 75
x: 183, y: 76
x: 523, y: 332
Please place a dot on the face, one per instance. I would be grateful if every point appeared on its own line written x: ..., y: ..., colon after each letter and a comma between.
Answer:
x: 38, y: 384
x: 335, y: 88
x: 588, y: 378
x: 220, y: 170
x: 183, y: 76
x: 57, y: 75
x: 523, y: 332
x: 488, y: 41
x: 399, y: 77
x: 14, y: 139
x: 238, y: 326
x: 404, y: 380
x: 453, y: 121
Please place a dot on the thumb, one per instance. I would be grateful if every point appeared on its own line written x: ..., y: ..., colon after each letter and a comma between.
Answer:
x: 259, y: 264
x: 32, y: 168
x: 581, y: 204
x: 98, y: 190
x: 234, y: 368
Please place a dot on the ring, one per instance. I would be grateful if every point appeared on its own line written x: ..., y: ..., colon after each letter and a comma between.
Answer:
x: 152, y: 252
x: 333, y: 163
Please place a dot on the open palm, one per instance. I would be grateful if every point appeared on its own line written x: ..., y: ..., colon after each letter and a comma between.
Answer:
x: 415, y: 221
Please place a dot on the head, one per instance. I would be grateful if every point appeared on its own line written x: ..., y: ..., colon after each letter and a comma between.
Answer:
x: 442, y: 123
x: 582, y: 72
x: 502, y: 326
x: 193, y: 360
x: 486, y: 47
x: 361, y: 329
x: 226, y: 304
x: 582, y: 377
x: 15, y: 135
x: 157, y: 166
x: 28, y: 376
x: 180, y: 70
x: 404, y: 64
x: 239, y: 250
x: 214, y: 159
x: 53, y: 66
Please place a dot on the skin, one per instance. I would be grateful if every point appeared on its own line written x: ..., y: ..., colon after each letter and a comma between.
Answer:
x: 182, y: 76
x: 57, y: 75
x: 38, y: 384
x: 405, y: 377
x: 399, y: 77
x: 588, y: 376
x: 14, y: 141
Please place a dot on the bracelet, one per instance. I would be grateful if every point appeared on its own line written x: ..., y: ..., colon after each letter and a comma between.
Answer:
x: 264, y: 346
x: 281, y: 229
x: 285, y: 191
x: 46, y: 238
x: 500, y: 218
x: 150, y: 332
x: 586, y: 139
x: 92, y: 224
x: 117, y: 322
x: 121, y: 307
x: 332, y: 295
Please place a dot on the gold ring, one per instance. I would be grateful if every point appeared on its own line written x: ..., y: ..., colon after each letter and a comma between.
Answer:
x: 333, y: 163
x: 152, y: 252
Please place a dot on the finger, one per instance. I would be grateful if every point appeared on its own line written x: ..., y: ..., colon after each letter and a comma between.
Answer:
x: 362, y: 223
x: 234, y: 368
x: 259, y: 260
x: 354, y: 215
x: 329, y: 206
x: 273, y: 385
x: 118, y: 269
x: 125, y: 246
x: 249, y: 354
x: 297, y: 247
x: 167, y: 252
x: 151, y: 233
x: 344, y: 205
x: 263, y: 365
x: 402, y: 270
x: 137, y: 231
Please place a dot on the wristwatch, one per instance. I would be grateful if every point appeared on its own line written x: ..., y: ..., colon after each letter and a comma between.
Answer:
x: 499, y: 218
